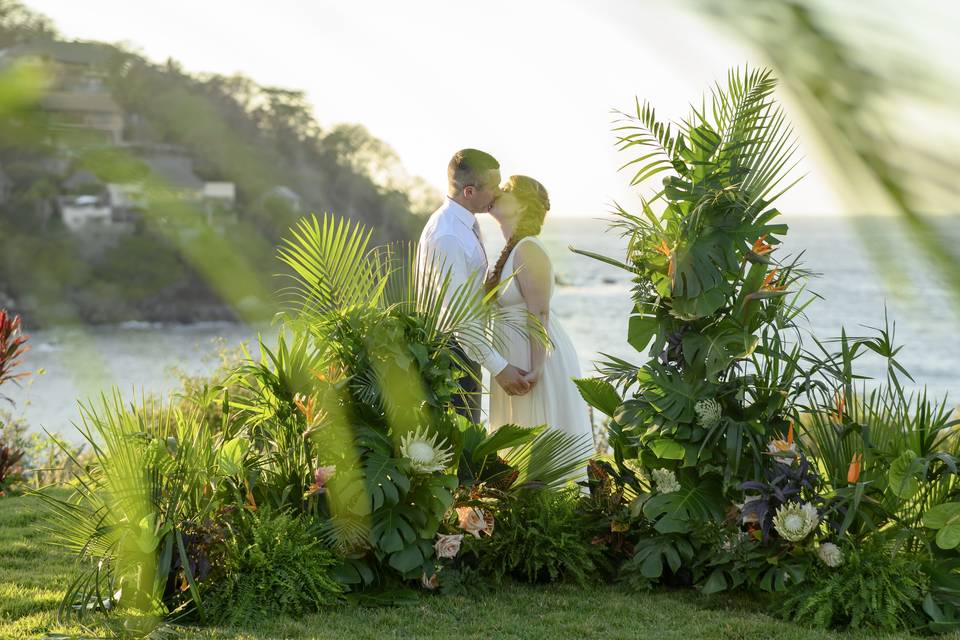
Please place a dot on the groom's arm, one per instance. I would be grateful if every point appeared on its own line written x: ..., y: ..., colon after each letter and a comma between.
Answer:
x: 450, y: 254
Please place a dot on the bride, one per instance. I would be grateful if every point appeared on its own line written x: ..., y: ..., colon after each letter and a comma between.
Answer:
x: 553, y: 399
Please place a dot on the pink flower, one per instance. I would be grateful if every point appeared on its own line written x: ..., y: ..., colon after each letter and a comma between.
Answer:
x: 430, y: 583
x: 323, y: 474
x: 320, y: 478
x: 448, y: 546
x: 474, y: 520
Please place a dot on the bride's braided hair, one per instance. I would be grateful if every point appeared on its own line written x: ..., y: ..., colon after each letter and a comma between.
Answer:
x: 534, y: 204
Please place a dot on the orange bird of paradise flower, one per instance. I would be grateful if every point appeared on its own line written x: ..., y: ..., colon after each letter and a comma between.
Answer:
x: 760, y: 246
x: 853, y: 472
x: 307, y: 406
x: 665, y: 250
x: 768, y: 282
x: 840, y: 403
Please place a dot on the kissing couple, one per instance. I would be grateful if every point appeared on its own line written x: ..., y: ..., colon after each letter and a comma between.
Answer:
x: 531, y: 382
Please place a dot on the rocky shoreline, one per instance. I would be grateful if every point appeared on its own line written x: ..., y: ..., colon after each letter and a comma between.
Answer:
x: 172, y: 310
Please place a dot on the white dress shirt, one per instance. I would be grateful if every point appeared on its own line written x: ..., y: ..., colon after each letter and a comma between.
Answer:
x: 451, y: 238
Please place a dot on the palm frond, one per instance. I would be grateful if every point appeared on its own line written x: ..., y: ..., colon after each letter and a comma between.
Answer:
x: 645, y: 131
x: 333, y: 266
x: 755, y: 135
x: 552, y: 459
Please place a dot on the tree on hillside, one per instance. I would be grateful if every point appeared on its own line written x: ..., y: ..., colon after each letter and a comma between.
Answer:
x: 18, y: 24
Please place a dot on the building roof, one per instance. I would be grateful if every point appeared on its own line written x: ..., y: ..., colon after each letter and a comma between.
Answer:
x: 78, y: 101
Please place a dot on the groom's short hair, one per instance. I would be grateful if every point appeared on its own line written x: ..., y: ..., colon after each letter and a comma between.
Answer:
x: 468, y: 167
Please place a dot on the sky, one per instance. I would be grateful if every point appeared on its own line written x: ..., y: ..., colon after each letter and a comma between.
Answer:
x: 531, y: 82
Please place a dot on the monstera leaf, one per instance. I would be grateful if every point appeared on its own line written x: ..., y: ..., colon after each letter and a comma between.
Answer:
x: 706, y: 303
x: 662, y: 391
x: 703, y: 265
x: 385, y: 482
x: 433, y: 496
x: 667, y: 449
x: 395, y: 528
x: 679, y: 511
x: 716, y: 350
x: 394, y: 534
x: 651, y: 553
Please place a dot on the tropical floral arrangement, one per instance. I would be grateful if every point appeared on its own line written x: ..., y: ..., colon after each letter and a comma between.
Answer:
x: 742, y: 458
x: 745, y: 454
x: 331, y: 467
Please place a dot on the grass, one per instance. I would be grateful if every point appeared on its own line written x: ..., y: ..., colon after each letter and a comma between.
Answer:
x: 33, y: 574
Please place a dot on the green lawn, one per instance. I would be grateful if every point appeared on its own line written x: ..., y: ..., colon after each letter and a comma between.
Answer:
x: 33, y: 575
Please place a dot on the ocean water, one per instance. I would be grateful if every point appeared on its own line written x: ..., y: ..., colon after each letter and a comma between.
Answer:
x: 592, y: 302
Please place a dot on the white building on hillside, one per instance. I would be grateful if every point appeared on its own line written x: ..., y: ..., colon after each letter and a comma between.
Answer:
x: 82, y: 213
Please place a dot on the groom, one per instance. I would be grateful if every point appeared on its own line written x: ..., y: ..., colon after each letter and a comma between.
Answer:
x: 451, y: 238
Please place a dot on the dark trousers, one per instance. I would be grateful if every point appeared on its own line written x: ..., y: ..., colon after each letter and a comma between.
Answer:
x: 466, y: 401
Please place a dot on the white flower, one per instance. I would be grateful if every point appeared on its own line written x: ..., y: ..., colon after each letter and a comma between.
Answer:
x: 794, y: 521
x: 708, y: 413
x: 830, y: 554
x: 448, y: 546
x: 666, y: 480
x: 426, y: 455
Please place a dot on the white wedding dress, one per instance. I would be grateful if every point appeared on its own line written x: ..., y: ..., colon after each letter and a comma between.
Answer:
x: 555, y: 400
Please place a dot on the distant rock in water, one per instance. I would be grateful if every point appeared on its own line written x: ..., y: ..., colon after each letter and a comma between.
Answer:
x: 609, y: 280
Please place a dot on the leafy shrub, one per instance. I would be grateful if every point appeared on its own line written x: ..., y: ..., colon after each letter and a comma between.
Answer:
x: 660, y: 557
x: 730, y: 559
x: 539, y: 537
x: 875, y: 587
x: 274, y: 565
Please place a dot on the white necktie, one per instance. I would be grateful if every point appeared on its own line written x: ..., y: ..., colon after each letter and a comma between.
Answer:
x: 476, y: 232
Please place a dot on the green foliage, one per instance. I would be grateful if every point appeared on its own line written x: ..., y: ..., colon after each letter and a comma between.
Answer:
x: 680, y: 511
x: 274, y: 565
x: 480, y: 462
x: 154, y: 470
x: 708, y: 295
x: 539, y: 537
x: 730, y: 559
x: 383, y: 332
x: 875, y: 587
x: 656, y: 554
x: 727, y: 383
x: 945, y: 519
x: 551, y: 459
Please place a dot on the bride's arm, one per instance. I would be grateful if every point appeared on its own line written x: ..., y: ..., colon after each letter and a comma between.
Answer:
x: 533, y: 273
